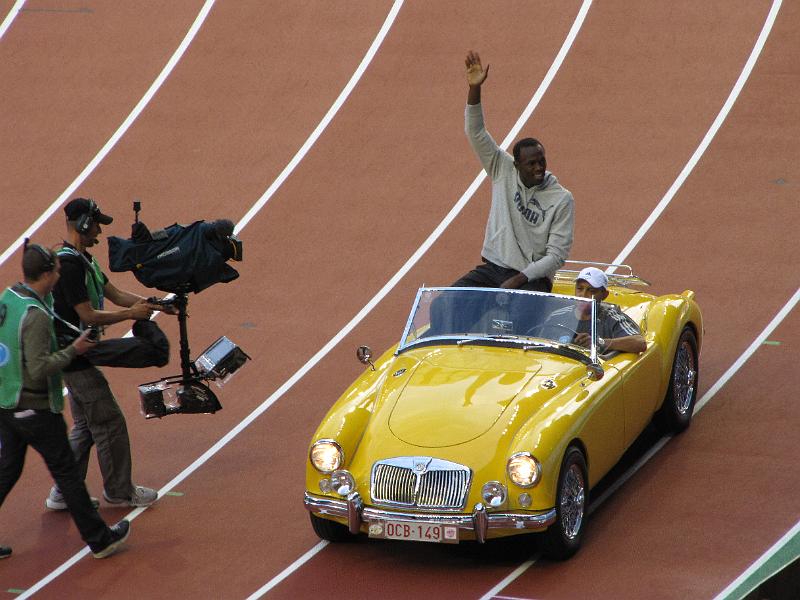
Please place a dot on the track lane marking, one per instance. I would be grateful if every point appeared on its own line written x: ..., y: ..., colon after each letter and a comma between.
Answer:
x: 492, y: 593
x: 166, y: 490
x: 123, y: 128
x: 549, y: 76
x: 776, y: 320
x: 333, y: 342
x: 709, y: 136
x: 323, y: 124
x: 12, y: 14
x: 656, y: 213
x: 744, y: 588
x: 288, y: 571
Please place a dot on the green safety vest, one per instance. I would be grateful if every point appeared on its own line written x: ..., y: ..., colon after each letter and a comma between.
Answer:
x: 13, y: 308
x: 94, y: 276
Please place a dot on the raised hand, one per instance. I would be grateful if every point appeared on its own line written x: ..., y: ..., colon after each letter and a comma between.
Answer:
x: 476, y: 74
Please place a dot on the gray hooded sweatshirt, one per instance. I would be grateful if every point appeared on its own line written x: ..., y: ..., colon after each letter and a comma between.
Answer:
x: 529, y: 229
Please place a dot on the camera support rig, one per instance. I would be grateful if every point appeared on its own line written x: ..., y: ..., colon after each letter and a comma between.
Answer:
x: 179, y: 259
x: 218, y: 361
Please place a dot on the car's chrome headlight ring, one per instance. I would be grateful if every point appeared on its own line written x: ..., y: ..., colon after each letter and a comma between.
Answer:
x: 524, y: 470
x: 326, y: 455
x: 342, y: 482
x: 493, y: 493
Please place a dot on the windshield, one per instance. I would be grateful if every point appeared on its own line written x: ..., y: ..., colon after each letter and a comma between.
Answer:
x: 497, y: 316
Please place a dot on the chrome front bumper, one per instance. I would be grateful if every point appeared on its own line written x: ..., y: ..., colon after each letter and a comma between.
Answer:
x: 479, y: 522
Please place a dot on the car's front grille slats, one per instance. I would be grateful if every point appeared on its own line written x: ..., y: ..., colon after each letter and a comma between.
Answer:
x: 396, y: 482
x: 421, y: 482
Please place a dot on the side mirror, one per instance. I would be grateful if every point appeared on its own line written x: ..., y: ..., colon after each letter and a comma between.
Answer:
x: 364, y: 355
x: 595, y: 371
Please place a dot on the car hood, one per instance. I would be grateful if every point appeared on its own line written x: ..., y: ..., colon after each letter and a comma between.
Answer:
x: 449, y: 398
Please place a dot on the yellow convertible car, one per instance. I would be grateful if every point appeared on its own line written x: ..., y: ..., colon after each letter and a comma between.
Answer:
x: 489, y: 420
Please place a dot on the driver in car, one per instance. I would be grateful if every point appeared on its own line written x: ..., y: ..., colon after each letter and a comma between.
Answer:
x: 616, y: 331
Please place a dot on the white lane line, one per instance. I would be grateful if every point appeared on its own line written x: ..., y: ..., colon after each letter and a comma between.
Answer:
x: 622, y: 256
x: 140, y: 106
x: 771, y: 326
x: 774, y: 549
x: 287, y: 571
x: 706, y: 141
x: 287, y: 385
x: 492, y: 593
x: 549, y: 76
x: 376, y: 43
x: 787, y: 308
x: 12, y: 14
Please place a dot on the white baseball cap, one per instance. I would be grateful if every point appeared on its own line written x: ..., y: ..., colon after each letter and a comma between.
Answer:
x: 594, y: 277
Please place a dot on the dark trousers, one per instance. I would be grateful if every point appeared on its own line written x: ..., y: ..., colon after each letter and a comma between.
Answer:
x: 148, y: 347
x: 491, y: 275
x: 46, y: 433
x: 459, y: 314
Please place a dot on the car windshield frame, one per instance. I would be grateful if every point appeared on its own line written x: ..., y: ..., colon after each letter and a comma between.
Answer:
x: 496, y: 332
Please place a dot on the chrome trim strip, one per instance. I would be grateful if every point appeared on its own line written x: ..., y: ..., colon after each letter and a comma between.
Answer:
x: 564, y: 275
x: 411, y: 316
x: 597, y: 264
x: 354, y: 508
x: 504, y: 520
x: 593, y: 351
x: 480, y: 522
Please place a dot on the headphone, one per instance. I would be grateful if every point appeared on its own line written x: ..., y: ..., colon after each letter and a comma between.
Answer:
x: 49, y: 256
x: 84, y: 222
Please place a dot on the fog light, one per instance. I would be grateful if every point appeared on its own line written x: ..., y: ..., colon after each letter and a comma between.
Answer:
x: 342, y: 482
x: 524, y: 500
x: 325, y: 486
x: 494, y: 493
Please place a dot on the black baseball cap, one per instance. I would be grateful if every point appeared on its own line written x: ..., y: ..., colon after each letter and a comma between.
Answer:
x: 81, y: 206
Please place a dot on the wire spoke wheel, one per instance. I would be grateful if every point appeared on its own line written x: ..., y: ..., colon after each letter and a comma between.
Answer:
x: 573, y: 502
x: 563, y: 538
x: 684, y: 377
x: 675, y: 413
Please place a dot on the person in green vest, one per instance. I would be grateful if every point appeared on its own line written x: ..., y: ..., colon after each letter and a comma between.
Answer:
x: 31, y: 397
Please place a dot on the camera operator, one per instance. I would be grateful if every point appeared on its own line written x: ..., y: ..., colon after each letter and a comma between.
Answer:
x: 80, y: 297
x: 31, y: 399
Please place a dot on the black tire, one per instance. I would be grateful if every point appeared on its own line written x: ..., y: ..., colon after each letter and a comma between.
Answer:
x: 675, y: 414
x: 330, y: 530
x: 563, y: 538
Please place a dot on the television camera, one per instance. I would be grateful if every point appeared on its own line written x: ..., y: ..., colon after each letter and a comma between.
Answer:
x: 180, y: 259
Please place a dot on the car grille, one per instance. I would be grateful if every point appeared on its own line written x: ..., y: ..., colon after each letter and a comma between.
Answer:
x: 421, y: 482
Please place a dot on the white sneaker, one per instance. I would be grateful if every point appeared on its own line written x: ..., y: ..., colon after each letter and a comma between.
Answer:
x: 55, y: 501
x: 142, y: 496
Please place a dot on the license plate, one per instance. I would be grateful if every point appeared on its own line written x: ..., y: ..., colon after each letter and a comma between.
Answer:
x: 414, y: 532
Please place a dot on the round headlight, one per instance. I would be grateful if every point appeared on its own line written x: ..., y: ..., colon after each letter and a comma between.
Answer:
x: 342, y: 482
x: 524, y: 470
x: 494, y: 493
x: 326, y: 456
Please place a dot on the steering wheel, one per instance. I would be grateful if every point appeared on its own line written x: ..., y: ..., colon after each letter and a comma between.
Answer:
x: 537, y: 328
